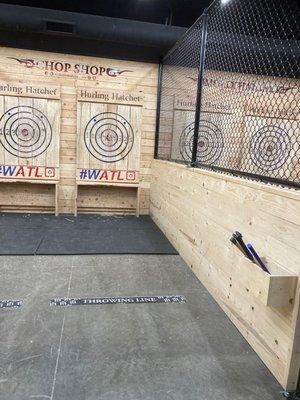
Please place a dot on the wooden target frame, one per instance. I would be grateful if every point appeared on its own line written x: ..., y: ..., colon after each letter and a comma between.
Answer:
x: 29, y: 135
x: 211, y: 132
x: 108, y: 139
x: 270, y: 145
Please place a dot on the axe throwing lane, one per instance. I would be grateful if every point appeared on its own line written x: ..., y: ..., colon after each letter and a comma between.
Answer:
x: 105, y: 351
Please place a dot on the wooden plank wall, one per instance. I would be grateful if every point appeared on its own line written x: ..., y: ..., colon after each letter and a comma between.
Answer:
x: 247, y: 122
x: 109, y: 137
x: 73, y: 73
x: 198, y: 211
x: 29, y: 136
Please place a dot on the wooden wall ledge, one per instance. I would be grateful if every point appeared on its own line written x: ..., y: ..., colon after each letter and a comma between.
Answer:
x: 276, y: 289
x: 245, y: 182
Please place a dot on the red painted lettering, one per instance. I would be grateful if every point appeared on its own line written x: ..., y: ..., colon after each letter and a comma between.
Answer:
x: 104, y: 176
x: 20, y: 171
x: 37, y: 173
x: 30, y: 168
x: 113, y: 173
x: 119, y: 176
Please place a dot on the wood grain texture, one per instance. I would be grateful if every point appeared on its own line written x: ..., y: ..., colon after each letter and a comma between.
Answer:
x: 102, y: 143
x: 83, y: 73
x: 106, y: 199
x: 247, y: 122
x: 198, y: 211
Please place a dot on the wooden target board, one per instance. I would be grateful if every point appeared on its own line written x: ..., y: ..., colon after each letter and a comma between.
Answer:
x: 109, y: 135
x: 29, y: 135
x: 247, y: 123
x: 211, y: 133
x: 183, y: 129
x: 271, y: 145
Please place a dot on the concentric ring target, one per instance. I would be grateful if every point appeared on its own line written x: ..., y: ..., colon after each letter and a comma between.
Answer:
x: 210, y: 142
x: 108, y: 137
x: 25, y: 132
x: 270, y: 147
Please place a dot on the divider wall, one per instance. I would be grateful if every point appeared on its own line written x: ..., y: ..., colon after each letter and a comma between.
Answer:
x: 198, y: 211
x: 229, y: 92
x: 228, y: 119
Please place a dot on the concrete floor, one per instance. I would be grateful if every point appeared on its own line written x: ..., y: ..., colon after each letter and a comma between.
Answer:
x: 188, y: 351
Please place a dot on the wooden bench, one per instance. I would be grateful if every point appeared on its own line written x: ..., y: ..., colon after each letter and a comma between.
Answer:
x: 41, y: 182
x: 110, y: 184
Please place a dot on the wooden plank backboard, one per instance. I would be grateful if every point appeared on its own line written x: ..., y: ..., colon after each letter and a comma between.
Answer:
x: 214, y: 134
x: 270, y: 146
x: 29, y: 138
x: 109, y: 136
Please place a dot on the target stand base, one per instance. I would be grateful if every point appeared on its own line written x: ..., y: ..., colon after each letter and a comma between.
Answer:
x: 109, y: 184
x: 39, y: 182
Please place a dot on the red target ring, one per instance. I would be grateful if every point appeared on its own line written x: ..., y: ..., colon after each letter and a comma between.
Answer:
x: 210, y: 143
x: 270, y: 148
x: 109, y: 137
x: 25, y: 132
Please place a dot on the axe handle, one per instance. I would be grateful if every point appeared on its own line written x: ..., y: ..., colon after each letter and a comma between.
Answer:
x: 235, y: 242
x: 257, y: 258
x: 239, y: 239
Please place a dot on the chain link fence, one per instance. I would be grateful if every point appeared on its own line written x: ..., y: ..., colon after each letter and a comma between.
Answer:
x: 229, y: 92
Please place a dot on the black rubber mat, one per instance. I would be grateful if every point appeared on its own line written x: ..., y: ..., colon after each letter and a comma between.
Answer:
x: 23, y: 234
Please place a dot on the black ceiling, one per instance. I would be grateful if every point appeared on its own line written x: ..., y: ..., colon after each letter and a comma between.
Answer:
x: 176, y: 12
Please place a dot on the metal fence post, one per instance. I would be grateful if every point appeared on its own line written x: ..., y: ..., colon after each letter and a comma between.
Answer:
x: 199, y: 88
x: 160, y: 70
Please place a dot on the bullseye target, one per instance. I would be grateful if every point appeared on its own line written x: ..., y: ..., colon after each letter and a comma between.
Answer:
x: 270, y: 147
x: 109, y: 137
x: 25, y: 132
x: 210, y: 142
